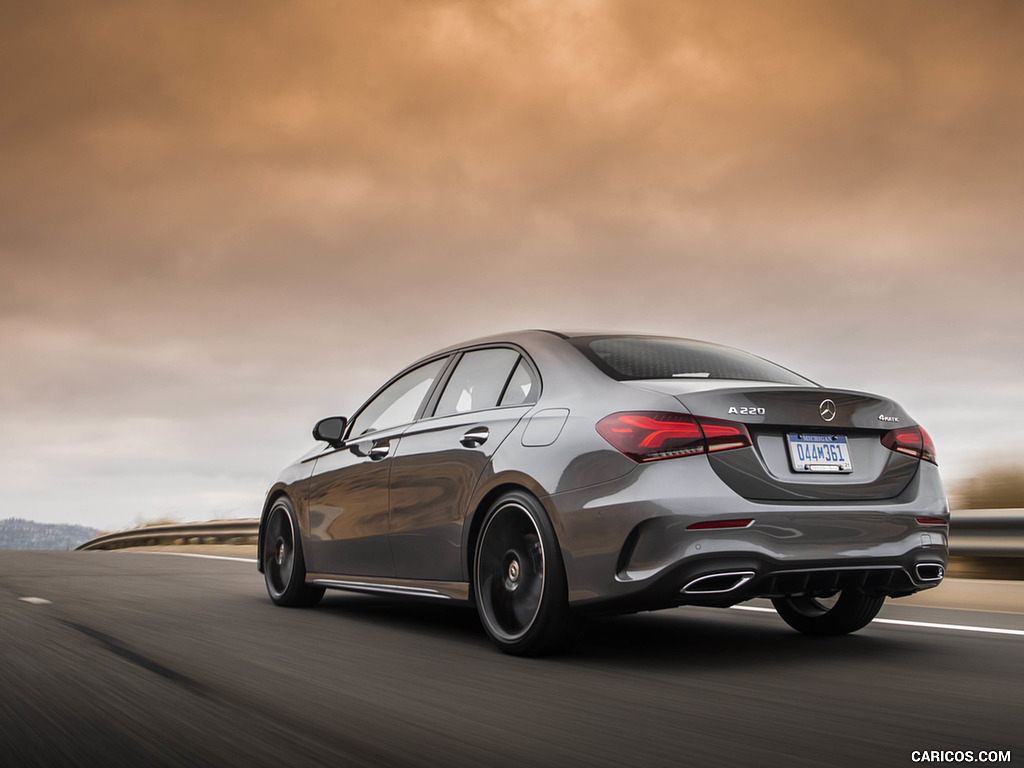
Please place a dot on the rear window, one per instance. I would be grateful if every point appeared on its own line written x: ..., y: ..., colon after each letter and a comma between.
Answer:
x: 628, y: 358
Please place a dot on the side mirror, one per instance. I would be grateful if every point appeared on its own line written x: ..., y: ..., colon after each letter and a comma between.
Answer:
x: 330, y: 430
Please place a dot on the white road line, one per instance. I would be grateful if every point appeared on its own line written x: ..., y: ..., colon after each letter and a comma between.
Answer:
x: 924, y: 624
x: 958, y: 627
x: 207, y: 557
x: 35, y: 600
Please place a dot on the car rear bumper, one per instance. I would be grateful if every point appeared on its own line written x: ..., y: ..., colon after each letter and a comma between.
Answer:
x: 726, y: 580
x: 628, y: 544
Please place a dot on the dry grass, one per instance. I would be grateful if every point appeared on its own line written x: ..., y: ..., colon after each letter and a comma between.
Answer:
x: 996, y: 488
x: 147, y: 522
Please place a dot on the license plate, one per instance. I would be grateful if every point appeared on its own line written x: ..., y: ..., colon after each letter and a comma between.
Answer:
x: 819, y: 453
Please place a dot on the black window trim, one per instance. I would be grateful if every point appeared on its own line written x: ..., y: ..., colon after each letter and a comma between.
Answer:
x: 508, y: 380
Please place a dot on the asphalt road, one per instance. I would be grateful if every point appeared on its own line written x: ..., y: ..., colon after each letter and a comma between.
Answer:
x: 153, y: 660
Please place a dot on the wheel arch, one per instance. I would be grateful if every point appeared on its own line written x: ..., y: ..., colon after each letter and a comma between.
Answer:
x: 475, y: 519
x: 275, y: 493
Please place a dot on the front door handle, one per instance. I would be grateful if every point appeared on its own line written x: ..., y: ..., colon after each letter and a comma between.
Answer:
x: 379, y: 450
x: 476, y: 436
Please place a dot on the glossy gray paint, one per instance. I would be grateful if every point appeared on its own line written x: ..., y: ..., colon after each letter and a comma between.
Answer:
x: 410, y: 518
x: 347, y: 504
x: 433, y: 476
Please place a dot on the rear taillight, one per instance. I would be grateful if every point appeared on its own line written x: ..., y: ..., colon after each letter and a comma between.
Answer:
x: 653, y: 435
x: 723, y: 435
x: 912, y: 441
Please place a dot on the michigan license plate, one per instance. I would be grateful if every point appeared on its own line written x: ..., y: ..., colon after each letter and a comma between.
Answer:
x: 819, y: 453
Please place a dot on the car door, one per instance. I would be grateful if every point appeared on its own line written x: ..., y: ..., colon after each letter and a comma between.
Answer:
x: 440, y: 459
x: 348, y: 496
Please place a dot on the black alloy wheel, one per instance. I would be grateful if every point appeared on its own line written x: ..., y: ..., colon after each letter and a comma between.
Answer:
x: 519, y: 580
x: 284, y: 568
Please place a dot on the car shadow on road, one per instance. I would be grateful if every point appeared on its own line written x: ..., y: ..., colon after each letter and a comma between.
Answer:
x: 676, y: 638
x: 431, y: 618
x: 683, y: 638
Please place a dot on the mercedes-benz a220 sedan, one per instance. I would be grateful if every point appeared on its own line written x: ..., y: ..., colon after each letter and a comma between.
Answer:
x: 542, y: 476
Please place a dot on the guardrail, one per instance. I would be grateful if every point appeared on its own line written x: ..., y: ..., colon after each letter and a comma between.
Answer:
x: 213, y: 532
x: 987, y: 533
x: 972, y: 533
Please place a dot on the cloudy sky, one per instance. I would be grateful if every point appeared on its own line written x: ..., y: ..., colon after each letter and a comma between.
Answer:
x: 221, y: 222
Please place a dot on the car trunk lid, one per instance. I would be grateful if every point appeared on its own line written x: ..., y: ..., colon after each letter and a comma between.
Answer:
x: 779, y: 418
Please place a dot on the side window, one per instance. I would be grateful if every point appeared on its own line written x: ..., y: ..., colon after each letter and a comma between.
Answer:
x: 399, y: 402
x: 521, y: 387
x: 477, y: 381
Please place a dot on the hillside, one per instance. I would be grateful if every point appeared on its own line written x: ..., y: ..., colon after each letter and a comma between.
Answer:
x: 16, y: 533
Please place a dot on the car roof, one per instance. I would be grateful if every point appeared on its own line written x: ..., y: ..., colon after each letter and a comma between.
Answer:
x: 514, y: 337
x: 524, y: 336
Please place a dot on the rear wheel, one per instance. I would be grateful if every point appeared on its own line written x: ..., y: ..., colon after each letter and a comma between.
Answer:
x: 846, y: 612
x: 519, y: 580
x: 284, y: 568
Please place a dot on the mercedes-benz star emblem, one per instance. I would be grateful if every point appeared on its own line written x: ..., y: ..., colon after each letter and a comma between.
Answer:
x: 827, y: 409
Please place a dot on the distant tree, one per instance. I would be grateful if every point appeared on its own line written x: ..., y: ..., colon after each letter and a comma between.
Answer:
x: 994, y: 488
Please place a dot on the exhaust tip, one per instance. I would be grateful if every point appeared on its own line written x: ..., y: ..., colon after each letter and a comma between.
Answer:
x: 930, y: 571
x: 717, y: 583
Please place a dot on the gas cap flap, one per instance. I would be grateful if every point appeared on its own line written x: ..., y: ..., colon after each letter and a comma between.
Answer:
x: 544, y: 427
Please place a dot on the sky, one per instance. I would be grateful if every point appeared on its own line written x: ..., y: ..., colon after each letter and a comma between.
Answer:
x: 219, y: 223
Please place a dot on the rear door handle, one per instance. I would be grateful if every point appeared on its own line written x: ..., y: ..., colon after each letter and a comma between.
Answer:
x: 476, y: 436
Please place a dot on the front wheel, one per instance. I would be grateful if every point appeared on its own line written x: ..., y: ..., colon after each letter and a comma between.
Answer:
x: 519, y: 580
x: 849, y: 611
x: 284, y: 568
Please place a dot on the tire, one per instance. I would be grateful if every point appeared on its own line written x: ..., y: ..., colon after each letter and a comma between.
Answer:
x: 851, y: 611
x: 284, y: 568
x: 519, y: 579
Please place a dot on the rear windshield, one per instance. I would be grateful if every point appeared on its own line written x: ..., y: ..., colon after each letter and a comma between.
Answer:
x: 628, y: 358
